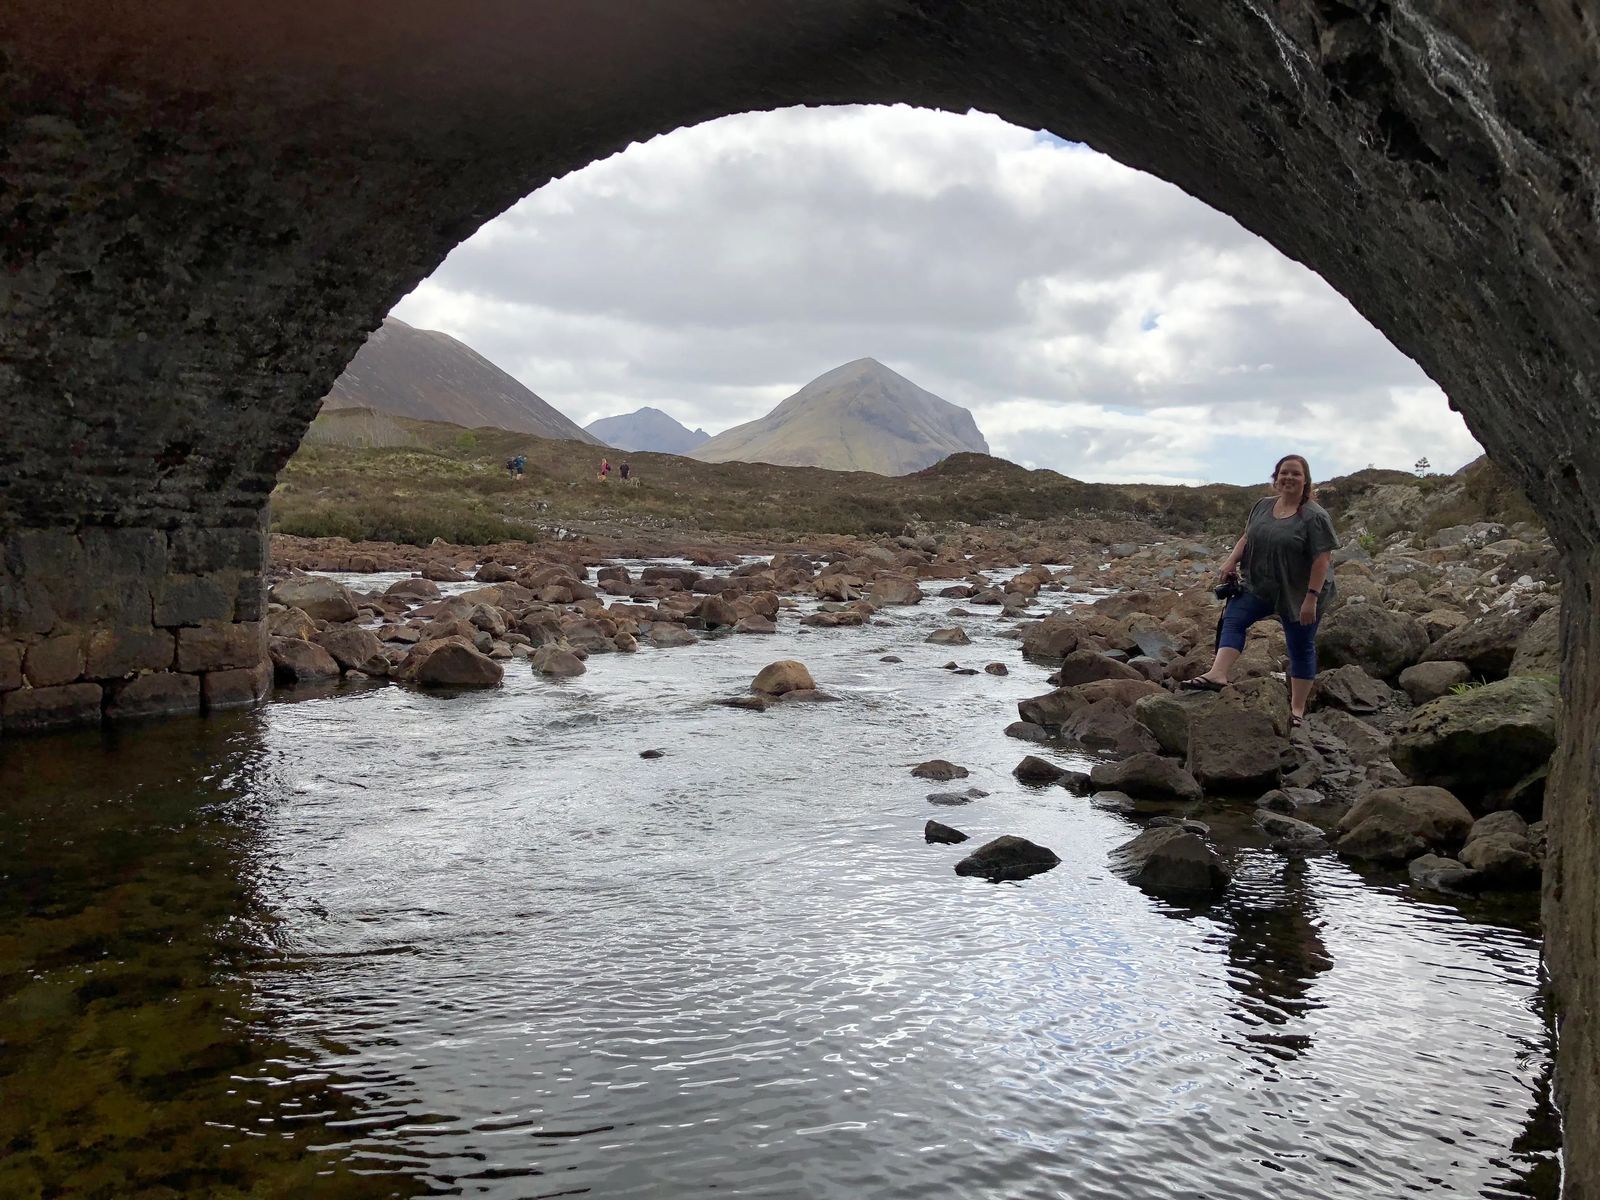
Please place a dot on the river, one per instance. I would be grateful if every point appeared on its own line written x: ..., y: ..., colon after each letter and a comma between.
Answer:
x: 377, y: 942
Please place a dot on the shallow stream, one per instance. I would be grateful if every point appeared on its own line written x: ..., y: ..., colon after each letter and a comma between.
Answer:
x: 378, y: 942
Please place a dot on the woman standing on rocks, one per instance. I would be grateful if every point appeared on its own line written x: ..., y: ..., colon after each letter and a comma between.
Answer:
x: 1287, y: 555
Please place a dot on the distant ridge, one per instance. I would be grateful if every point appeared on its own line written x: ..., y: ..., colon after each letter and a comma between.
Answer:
x: 647, y: 429
x: 861, y: 416
x: 430, y: 376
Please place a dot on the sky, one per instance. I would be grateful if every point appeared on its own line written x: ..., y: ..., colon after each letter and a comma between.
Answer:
x: 1094, y: 319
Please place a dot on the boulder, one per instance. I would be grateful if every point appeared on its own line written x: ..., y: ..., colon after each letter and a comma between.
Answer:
x: 1167, y: 715
x: 1398, y: 824
x: 295, y: 661
x: 1108, y: 726
x: 996, y: 668
x: 415, y: 588
x: 1036, y: 770
x: 939, y: 770
x: 1373, y: 637
x: 715, y: 612
x: 1007, y: 857
x: 785, y: 675
x: 1485, y: 739
x: 443, y: 573
x: 1053, y: 708
x: 894, y: 589
x: 495, y: 573
x: 1440, y: 874
x: 755, y: 623
x: 1235, y: 751
x: 1171, y: 862
x: 1146, y: 776
x: 939, y: 834
x: 1503, y: 860
x: 1023, y: 731
x: 1290, y: 834
x: 450, y: 662
x: 666, y: 634
x: 953, y: 636
x: 1488, y: 644
x: 1350, y: 688
x: 1085, y: 666
x: 319, y: 597
x: 1430, y: 680
x: 557, y: 661
x: 842, y: 618
x: 291, y: 623
x: 1539, y: 647
x: 157, y: 694
x: 354, y: 649
x: 1051, y: 639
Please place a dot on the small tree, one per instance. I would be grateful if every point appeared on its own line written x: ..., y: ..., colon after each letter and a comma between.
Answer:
x: 1421, y: 466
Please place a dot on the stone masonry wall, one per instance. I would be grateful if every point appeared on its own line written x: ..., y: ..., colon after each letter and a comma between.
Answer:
x: 114, y: 624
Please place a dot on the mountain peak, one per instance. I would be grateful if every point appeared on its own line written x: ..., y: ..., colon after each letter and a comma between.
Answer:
x: 647, y: 429
x: 860, y: 416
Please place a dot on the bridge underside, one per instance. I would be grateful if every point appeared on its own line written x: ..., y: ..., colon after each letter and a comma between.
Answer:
x: 207, y: 204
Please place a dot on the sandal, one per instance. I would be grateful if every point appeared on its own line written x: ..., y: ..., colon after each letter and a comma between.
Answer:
x: 1201, y: 684
x: 1296, y: 722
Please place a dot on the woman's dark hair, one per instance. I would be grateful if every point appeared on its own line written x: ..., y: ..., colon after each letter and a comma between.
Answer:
x: 1307, y: 492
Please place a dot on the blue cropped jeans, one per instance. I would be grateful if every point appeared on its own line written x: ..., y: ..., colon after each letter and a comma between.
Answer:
x: 1245, y: 609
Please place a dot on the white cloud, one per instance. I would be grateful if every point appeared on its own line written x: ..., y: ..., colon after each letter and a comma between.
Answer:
x: 1096, y: 320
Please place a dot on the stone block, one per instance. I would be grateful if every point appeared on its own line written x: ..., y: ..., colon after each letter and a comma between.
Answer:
x: 200, y: 551
x: 118, y: 653
x: 193, y: 600
x: 25, y: 604
x: 221, y: 645
x: 160, y: 694
x: 31, y: 710
x: 250, y: 598
x: 10, y: 666
x: 53, y: 661
x: 238, y: 688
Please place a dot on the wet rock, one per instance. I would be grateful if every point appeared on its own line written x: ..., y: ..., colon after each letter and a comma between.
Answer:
x: 1430, y: 680
x: 1036, y: 770
x: 1440, y: 874
x: 1235, y: 751
x: 1485, y: 739
x: 557, y: 662
x: 664, y: 635
x: 1006, y: 858
x: 894, y: 589
x: 1290, y: 834
x: 939, y: 770
x: 1109, y: 727
x: 495, y: 573
x: 1117, y: 802
x: 715, y: 612
x: 891, y: 658
x: 443, y: 573
x: 318, y: 597
x: 1372, y: 637
x: 450, y: 662
x: 1053, y: 708
x: 296, y: 661
x: 35, y: 709
x: 755, y: 623
x: 1398, y: 824
x: 157, y: 694
x: 1353, y: 690
x: 953, y: 636
x: 844, y: 618
x: 1023, y: 731
x: 1076, y: 782
x: 942, y: 835
x: 955, y: 798
x: 1167, y: 715
x: 1277, y: 801
x: 652, y: 753
x: 1171, y: 862
x: 785, y: 675
x: 995, y: 668
x: 1146, y: 775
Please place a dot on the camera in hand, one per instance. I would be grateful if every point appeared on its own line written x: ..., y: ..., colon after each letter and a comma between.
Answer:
x: 1228, y: 588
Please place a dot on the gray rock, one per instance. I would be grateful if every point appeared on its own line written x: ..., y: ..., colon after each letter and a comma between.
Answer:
x: 1398, y: 824
x: 1235, y: 751
x: 1440, y: 874
x: 939, y: 770
x: 1350, y: 688
x: 1146, y: 775
x: 1171, y: 862
x: 1539, y: 648
x: 1372, y: 637
x: 1483, y: 740
x: 1504, y: 860
x: 1430, y: 680
x: 1024, y: 731
x: 1036, y: 770
x: 944, y: 835
x: 1488, y: 644
x: 1007, y: 857
x: 953, y: 636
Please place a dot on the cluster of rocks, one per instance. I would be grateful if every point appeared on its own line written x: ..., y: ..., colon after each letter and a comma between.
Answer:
x: 1437, y: 694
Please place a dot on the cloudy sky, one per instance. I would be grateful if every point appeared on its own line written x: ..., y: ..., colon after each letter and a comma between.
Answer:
x: 1094, y: 319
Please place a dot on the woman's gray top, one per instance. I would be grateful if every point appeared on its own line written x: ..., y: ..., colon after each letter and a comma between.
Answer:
x: 1279, y: 552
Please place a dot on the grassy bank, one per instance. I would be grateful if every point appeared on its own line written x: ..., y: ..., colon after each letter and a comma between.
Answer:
x: 364, y: 475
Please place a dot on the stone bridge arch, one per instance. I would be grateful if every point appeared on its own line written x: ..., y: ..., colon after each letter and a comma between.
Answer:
x: 206, y: 204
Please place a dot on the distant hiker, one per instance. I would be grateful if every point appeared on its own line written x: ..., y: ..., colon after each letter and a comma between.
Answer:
x: 511, y: 467
x: 605, y: 469
x: 1286, y: 554
x: 519, y: 466
x: 623, y: 470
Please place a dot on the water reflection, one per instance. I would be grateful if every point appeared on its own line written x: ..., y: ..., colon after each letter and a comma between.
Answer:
x: 134, y: 1061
